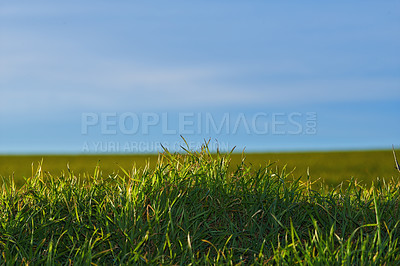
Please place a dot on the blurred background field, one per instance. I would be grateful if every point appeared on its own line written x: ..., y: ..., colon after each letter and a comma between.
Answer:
x: 331, y: 167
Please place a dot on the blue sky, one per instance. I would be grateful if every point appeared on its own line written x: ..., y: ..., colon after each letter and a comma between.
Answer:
x: 164, y: 66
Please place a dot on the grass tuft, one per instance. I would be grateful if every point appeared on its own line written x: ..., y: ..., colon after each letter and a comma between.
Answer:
x: 196, y: 208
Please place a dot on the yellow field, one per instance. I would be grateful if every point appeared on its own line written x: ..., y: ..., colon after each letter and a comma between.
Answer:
x: 331, y: 167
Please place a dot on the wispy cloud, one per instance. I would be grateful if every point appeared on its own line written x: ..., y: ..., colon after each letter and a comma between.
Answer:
x: 41, y: 76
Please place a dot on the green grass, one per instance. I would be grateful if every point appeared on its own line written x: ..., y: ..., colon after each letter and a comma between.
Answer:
x: 332, y: 168
x: 197, y: 208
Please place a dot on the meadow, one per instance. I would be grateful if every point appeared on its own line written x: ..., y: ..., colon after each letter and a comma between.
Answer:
x: 330, y: 168
x: 201, y: 208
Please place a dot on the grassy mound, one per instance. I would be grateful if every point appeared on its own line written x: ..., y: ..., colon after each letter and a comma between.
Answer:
x: 192, y: 208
